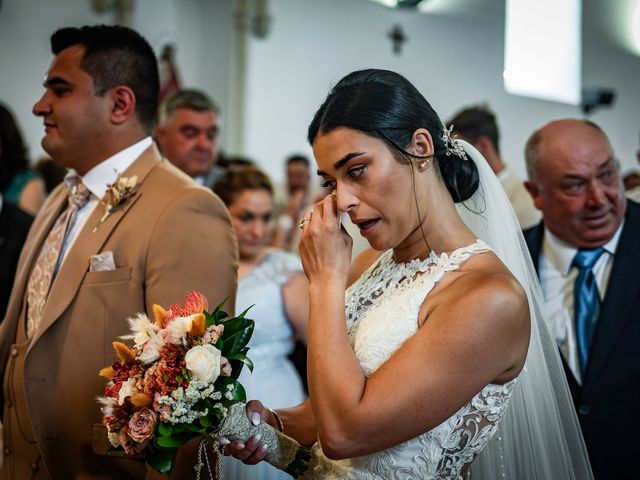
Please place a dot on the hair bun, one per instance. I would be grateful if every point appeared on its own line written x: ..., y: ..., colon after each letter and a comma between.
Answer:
x: 460, y: 175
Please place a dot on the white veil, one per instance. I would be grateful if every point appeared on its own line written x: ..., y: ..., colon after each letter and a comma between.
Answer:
x: 539, y: 436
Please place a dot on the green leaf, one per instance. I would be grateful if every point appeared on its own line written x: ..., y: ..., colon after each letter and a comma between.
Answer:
x: 242, y: 358
x: 238, y: 392
x: 174, y: 441
x: 164, y: 429
x: 196, y: 428
x: 239, y: 337
x: 209, y: 320
x: 218, y: 314
x: 161, y: 460
x: 235, y: 324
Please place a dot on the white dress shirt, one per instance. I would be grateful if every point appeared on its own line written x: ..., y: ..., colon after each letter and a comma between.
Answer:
x: 557, y: 277
x: 97, y: 180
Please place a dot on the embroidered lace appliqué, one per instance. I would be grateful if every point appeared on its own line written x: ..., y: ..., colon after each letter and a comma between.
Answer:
x: 382, y: 312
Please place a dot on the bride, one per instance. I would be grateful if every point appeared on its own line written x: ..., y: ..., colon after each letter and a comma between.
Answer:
x: 435, y: 363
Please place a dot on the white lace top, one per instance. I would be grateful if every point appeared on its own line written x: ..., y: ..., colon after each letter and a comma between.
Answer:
x: 382, y: 312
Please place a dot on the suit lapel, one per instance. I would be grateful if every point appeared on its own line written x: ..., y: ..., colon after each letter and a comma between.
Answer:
x: 39, y: 230
x: 38, y: 234
x: 623, y: 291
x: 533, y: 237
x: 89, y: 242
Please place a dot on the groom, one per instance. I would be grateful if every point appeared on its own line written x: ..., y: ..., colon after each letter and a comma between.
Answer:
x: 92, y: 260
x: 587, y: 256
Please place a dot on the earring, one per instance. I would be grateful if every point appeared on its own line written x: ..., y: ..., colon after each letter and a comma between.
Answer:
x: 423, y: 165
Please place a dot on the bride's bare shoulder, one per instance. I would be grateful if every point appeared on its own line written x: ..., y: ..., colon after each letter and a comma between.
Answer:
x: 487, y: 275
x: 484, y: 287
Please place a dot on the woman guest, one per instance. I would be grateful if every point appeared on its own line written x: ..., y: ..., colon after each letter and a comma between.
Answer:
x: 272, y: 283
x: 18, y: 183
x: 418, y: 371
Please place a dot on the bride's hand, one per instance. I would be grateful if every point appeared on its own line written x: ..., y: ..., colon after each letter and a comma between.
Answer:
x: 325, y: 248
x: 253, y: 450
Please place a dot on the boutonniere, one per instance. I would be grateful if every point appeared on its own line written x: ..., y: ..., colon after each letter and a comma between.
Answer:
x: 118, y: 193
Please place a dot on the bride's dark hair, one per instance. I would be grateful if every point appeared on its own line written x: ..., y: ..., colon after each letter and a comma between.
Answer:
x: 385, y: 105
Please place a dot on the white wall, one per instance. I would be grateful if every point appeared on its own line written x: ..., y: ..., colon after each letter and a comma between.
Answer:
x: 25, y: 55
x: 201, y: 29
x: 454, y: 61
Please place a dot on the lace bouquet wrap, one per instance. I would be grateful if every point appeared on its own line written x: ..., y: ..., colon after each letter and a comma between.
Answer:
x: 283, y: 452
x: 177, y: 382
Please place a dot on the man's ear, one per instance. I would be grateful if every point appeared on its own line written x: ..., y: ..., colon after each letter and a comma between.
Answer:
x: 534, y: 191
x: 123, y: 104
x: 422, y: 143
x: 160, y: 136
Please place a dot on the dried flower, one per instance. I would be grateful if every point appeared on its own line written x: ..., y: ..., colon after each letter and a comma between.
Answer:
x: 125, y: 354
x: 141, y: 425
x: 140, y: 399
x: 198, y: 325
x: 160, y: 315
x: 118, y: 193
x: 193, y: 302
x: 174, y: 383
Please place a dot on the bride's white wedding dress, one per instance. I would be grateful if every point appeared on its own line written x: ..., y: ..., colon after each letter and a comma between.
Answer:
x: 382, y: 312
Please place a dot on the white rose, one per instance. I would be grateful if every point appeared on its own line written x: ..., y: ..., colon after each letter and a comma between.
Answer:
x: 203, y: 363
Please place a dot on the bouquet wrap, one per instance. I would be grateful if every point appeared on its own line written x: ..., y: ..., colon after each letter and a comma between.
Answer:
x: 283, y: 452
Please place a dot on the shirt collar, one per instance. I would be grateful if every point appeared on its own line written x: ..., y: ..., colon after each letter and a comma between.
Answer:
x: 98, y: 179
x: 561, y: 254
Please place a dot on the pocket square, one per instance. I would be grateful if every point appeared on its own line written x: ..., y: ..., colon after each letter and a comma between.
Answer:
x: 102, y: 262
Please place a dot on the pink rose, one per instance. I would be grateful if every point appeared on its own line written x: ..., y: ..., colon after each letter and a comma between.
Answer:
x: 130, y: 447
x: 213, y: 333
x: 225, y: 367
x: 141, y: 425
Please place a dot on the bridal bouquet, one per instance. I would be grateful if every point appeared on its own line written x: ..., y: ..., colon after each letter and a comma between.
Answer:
x: 178, y: 380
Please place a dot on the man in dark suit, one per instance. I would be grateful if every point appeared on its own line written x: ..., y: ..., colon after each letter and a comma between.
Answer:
x: 14, y: 226
x: 574, y: 180
x: 159, y: 237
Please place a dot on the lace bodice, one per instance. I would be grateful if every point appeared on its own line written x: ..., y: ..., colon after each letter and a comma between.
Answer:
x: 382, y: 312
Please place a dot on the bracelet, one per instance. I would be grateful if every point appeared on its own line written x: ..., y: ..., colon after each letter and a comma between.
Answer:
x: 278, y: 419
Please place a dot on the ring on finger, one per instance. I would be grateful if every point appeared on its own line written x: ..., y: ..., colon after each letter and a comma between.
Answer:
x: 302, y: 222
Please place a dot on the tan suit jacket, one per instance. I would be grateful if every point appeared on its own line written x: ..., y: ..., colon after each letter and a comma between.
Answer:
x: 170, y: 238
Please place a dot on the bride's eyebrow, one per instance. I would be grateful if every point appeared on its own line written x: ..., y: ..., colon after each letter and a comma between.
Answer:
x: 341, y: 163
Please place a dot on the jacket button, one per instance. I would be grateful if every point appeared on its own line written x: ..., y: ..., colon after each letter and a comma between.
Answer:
x: 34, y: 466
x: 7, y: 451
x: 14, y: 352
x: 584, y: 409
x: 8, y: 403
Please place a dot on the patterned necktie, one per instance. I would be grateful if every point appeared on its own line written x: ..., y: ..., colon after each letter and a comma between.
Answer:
x: 586, y: 301
x: 45, y: 267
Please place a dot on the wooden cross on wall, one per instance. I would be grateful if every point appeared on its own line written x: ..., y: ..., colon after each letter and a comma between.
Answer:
x: 398, y: 38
